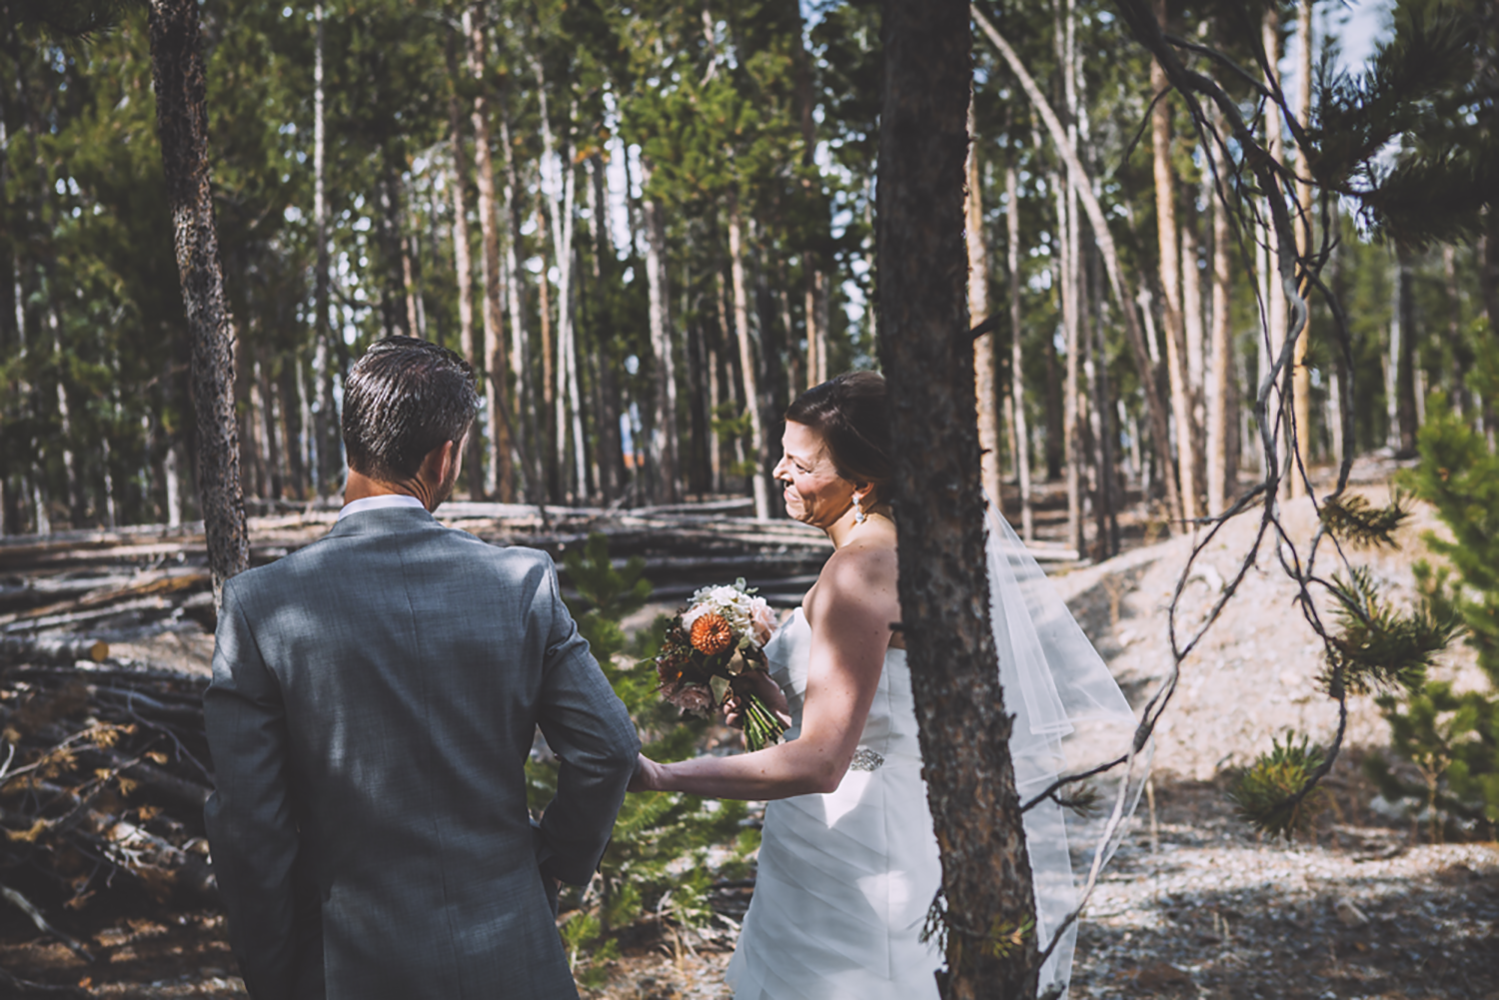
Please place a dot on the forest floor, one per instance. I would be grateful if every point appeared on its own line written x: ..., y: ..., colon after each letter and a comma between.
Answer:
x: 1193, y: 906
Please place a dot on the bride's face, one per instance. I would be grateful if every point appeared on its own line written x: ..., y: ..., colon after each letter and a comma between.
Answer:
x: 814, y: 491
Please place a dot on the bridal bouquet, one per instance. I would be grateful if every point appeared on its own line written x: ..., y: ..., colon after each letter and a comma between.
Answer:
x: 708, y: 651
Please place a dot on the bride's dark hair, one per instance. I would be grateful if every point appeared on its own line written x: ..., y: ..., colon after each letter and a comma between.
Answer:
x: 849, y: 413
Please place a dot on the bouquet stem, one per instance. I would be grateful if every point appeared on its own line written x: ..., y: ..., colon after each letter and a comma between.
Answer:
x: 762, y: 727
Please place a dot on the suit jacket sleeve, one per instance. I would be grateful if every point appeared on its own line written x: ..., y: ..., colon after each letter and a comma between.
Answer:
x: 587, y: 726
x: 251, y: 827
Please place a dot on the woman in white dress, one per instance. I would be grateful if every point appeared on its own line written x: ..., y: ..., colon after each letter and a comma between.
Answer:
x: 848, y: 863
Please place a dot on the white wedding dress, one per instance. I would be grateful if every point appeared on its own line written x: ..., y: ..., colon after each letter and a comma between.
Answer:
x: 845, y: 879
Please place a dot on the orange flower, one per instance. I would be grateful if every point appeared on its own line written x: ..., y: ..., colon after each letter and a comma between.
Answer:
x: 711, y: 634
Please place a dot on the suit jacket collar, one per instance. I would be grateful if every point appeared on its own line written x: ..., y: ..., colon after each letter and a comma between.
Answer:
x: 383, y: 521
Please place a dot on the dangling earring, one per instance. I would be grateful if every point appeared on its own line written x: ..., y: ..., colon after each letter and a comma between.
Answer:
x: 859, y: 516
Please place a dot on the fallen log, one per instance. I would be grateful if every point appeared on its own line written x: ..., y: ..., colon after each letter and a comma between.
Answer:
x: 52, y: 649
x: 159, y: 583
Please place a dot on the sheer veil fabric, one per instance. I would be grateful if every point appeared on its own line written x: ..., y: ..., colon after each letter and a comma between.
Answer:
x: 1070, y: 717
x: 846, y: 878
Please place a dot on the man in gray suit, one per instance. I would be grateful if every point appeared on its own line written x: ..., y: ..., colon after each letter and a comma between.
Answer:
x: 374, y: 700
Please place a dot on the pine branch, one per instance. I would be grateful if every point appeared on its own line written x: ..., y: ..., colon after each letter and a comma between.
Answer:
x: 1378, y: 647
x: 1354, y: 520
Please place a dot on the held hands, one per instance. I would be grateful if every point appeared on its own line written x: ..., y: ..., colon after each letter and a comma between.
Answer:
x: 648, y: 776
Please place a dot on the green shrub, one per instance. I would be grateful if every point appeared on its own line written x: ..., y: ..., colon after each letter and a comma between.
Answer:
x: 1451, y: 738
x: 657, y: 861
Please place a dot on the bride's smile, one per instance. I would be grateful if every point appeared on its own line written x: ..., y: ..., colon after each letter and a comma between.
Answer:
x: 814, y: 490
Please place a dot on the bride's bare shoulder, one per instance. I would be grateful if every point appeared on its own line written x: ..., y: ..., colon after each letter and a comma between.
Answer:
x: 858, y: 570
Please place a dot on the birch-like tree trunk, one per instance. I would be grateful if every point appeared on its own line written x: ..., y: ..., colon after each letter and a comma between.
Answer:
x: 1220, y: 475
x: 327, y: 433
x: 1171, y: 292
x: 1017, y: 358
x: 664, y: 422
x: 944, y: 591
x: 1194, y: 338
x: 182, y: 121
x: 515, y: 290
x: 1301, y: 375
x: 1403, y: 356
x: 1070, y: 273
x: 985, y: 372
x: 747, y: 368
x: 500, y: 479
x: 71, y: 486
x: 463, y: 264
x: 1276, y: 307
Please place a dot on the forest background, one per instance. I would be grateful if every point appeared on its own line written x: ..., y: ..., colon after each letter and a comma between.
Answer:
x: 648, y: 227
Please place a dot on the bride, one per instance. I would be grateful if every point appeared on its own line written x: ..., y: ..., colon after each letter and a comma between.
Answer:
x: 848, y: 862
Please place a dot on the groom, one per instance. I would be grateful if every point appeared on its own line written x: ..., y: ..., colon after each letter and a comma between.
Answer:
x: 374, y: 698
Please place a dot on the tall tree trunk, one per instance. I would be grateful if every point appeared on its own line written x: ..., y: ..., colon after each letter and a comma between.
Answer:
x: 1221, y: 474
x: 1078, y: 176
x: 71, y: 482
x: 292, y: 407
x: 1276, y: 307
x: 1193, y: 340
x: 985, y: 372
x: 986, y: 876
x: 1069, y: 272
x: 267, y: 429
x: 182, y: 120
x: 328, y: 433
x: 664, y: 419
x: 1066, y: 270
x: 1301, y: 374
x: 1403, y: 355
x: 500, y: 482
x: 1056, y: 412
x: 747, y: 369
x: 609, y: 451
x: 555, y: 445
x: 1017, y: 359
x: 463, y: 264
x: 1171, y: 293
x: 515, y: 287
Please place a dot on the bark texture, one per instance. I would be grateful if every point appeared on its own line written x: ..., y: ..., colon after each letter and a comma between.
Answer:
x: 1171, y: 291
x: 500, y: 482
x: 182, y: 120
x: 1301, y: 373
x: 928, y: 357
x: 985, y: 371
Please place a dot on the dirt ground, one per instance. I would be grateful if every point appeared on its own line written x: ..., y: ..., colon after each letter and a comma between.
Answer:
x: 1193, y: 906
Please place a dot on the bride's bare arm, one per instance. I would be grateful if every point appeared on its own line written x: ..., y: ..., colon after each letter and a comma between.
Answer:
x: 854, y: 603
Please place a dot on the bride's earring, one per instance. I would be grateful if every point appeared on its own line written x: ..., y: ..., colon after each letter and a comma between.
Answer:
x: 859, y: 516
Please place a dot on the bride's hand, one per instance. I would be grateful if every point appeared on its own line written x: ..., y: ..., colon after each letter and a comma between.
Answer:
x: 647, y: 777
x: 762, y: 684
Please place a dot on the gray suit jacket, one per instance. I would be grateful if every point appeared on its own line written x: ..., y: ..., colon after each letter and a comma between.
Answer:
x: 374, y: 699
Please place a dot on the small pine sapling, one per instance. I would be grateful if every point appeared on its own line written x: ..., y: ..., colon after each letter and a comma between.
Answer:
x: 1451, y: 738
x: 658, y: 859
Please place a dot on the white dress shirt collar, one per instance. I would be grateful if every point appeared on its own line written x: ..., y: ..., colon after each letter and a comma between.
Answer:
x: 379, y: 503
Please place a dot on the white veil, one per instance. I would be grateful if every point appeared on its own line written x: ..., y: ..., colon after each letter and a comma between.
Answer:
x: 1070, y: 718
